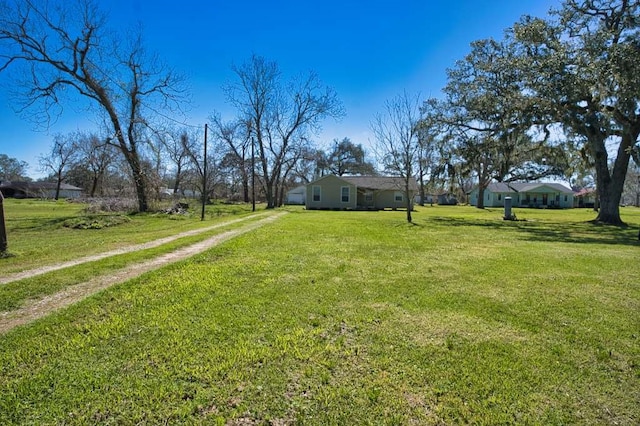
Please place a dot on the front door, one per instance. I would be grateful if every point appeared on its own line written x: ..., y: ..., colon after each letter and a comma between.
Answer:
x: 545, y: 198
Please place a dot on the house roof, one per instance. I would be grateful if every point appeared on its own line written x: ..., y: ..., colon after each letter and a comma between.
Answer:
x: 585, y: 191
x: 514, y: 187
x: 37, y: 186
x: 500, y: 187
x: 380, y: 182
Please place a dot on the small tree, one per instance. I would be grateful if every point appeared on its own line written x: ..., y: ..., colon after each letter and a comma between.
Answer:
x: 63, y: 153
x: 397, y: 142
x: 234, y: 139
x: 95, y: 156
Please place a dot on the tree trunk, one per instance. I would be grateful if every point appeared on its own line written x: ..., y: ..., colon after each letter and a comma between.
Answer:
x: 58, y: 183
x: 139, y: 182
x: 421, y: 188
x: 610, y: 185
x: 269, y: 194
x: 94, y: 186
x: 245, y: 188
x: 480, y: 203
x: 176, y: 185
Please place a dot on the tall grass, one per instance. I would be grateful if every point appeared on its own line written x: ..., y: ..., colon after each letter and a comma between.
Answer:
x: 353, y: 318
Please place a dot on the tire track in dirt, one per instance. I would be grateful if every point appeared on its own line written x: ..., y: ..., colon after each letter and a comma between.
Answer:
x: 39, y: 308
x: 137, y: 247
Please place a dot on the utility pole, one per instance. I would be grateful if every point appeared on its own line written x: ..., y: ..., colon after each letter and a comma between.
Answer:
x: 204, y: 173
x: 253, y: 177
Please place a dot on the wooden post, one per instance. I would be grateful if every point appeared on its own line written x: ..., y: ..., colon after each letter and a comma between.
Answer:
x: 3, y: 229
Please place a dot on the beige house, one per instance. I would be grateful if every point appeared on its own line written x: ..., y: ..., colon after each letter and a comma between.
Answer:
x: 359, y: 193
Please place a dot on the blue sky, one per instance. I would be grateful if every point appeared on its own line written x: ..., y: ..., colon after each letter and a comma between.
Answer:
x: 367, y: 51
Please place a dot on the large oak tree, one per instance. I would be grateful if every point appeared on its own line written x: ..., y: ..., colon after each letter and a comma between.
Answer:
x: 582, y: 68
x: 495, y: 135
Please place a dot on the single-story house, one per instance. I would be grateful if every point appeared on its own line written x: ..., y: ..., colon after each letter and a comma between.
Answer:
x: 586, y: 197
x: 297, y: 195
x: 428, y: 199
x: 38, y: 190
x: 539, y: 194
x: 444, y: 199
x: 447, y: 199
x: 358, y: 193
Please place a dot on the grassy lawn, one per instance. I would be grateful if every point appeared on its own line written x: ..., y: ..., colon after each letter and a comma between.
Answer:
x: 353, y: 318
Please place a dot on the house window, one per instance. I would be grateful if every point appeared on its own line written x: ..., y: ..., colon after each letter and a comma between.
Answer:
x: 345, y: 194
x: 398, y: 196
x: 566, y: 198
x: 499, y: 197
x: 316, y: 192
x: 368, y: 197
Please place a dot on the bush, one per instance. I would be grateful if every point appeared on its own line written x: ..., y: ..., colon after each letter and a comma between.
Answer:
x: 111, y: 205
x: 95, y: 222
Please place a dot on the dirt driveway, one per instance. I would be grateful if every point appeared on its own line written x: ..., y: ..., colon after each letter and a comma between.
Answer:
x: 35, y: 309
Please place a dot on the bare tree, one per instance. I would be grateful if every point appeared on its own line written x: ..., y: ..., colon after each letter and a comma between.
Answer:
x: 177, y: 145
x: 63, y: 153
x: 396, y: 130
x: 67, y: 54
x: 193, y: 143
x: 235, y: 140
x: 281, y: 115
x: 95, y: 156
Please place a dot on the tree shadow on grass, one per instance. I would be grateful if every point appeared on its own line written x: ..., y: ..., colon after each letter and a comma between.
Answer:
x: 566, y: 232
x: 37, y: 224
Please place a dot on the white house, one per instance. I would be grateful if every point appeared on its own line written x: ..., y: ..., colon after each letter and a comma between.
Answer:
x: 538, y: 194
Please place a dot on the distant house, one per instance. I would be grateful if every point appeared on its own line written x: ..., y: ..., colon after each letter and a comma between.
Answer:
x: 447, y: 199
x: 586, y: 197
x: 444, y: 199
x: 297, y: 195
x: 428, y: 199
x: 38, y: 190
x: 540, y: 195
x: 358, y: 193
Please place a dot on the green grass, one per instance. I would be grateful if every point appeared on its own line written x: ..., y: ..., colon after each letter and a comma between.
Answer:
x: 353, y: 318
